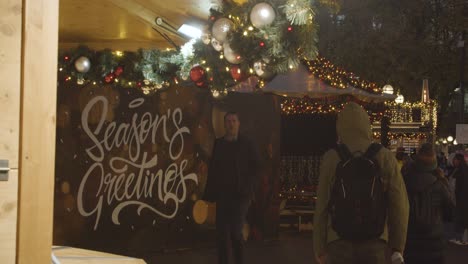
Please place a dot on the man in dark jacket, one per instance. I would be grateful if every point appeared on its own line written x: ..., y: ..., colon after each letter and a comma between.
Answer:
x: 232, y: 176
x: 430, y: 202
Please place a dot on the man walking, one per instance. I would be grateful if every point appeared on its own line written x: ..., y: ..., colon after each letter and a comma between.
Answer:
x: 232, y: 176
x: 362, y: 206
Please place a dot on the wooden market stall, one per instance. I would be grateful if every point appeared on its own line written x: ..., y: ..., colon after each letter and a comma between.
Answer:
x: 313, y: 95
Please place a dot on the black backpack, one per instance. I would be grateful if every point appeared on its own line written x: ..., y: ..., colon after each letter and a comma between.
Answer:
x: 358, y: 201
x: 423, y: 215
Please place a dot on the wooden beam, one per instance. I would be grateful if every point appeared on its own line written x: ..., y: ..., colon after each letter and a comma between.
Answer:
x: 117, y: 45
x: 10, y: 74
x: 37, y: 131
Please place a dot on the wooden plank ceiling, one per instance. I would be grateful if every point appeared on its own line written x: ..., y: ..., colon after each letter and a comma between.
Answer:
x: 125, y: 24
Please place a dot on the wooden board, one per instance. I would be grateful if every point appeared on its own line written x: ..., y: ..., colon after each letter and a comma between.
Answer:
x: 37, y: 137
x: 10, y: 74
x: 69, y: 255
x: 10, y: 70
x: 8, y: 217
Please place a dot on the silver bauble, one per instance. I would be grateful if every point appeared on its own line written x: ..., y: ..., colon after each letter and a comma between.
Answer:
x: 230, y: 55
x: 261, y: 15
x: 82, y: 64
x: 220, y: 29
x: 260, y: 68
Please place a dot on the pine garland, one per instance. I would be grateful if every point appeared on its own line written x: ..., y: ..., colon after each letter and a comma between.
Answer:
x: 298, y: 12
x: 291, y: 37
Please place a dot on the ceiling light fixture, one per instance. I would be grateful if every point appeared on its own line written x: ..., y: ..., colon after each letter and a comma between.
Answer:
x: 190, y: 31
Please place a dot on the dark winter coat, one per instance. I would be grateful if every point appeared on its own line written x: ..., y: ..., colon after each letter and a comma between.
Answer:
x: 461, y: 195
x: 425, y: 242
x: 238, y: 181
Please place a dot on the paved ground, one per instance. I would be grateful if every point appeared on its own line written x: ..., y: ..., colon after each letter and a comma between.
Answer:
x: 291, y: 248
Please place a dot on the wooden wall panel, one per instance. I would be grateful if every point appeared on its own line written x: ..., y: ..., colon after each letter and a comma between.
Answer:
x: 37, y: 136
x: 8, y: 213
x: 10, y: 69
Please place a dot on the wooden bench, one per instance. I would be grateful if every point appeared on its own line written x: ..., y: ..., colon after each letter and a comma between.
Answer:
x: 298, y: 211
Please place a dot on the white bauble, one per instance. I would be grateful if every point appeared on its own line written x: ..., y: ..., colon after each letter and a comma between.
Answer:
x: 261, y: 15
x: 82, y: 64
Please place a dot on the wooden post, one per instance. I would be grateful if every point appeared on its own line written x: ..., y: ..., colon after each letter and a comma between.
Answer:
x: 37, y: 131
x: 10, y: 75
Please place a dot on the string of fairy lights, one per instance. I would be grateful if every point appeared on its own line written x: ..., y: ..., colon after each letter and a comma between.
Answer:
x: 398, y: 113
x: 406, y: 136
x: 295, y: 106
x: 338, y: 77
x: 412, y: 112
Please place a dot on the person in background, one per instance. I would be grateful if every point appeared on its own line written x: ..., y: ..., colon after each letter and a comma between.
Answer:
x: 232, y: 177
x: 460, y: 174
x: 430, y: 204
x: 442, y: 161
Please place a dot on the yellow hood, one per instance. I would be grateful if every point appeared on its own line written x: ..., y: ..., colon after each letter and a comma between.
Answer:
x: 353, y: 127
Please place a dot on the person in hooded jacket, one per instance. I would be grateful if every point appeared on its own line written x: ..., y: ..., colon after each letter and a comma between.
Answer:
x: 430, y: 203
x: 354, y: 130
x: 460, y: 174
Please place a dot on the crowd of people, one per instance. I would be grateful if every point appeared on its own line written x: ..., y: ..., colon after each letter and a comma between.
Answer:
x: 426, y: 200
x: 372, y: 206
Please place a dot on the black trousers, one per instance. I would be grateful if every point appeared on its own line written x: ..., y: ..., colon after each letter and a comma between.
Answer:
x: 230, y: 218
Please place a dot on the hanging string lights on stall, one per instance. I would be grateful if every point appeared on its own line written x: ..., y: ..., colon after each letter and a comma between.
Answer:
x: 407, y: 136
x: 339, y: 78
x: 296, y: 106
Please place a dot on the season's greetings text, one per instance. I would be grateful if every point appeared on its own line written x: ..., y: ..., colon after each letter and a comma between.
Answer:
x: 135, y: 179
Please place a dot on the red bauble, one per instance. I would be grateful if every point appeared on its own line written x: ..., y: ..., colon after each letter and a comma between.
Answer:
x: 201, y: 84
x: 109, y: 78
x: 237, y: 74
x: 118, y: 70
x: 197, y: 74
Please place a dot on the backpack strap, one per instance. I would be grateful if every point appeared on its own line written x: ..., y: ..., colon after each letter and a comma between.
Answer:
x: 343, y: 152
x: 373, y: 149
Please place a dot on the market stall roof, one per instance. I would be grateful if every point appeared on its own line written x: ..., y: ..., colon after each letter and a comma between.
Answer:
x: 302, y: 83
x: 127, y: 24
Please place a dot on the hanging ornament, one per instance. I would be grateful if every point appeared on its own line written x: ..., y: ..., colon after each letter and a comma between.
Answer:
x: 261, y: 15
x: 201, y: 84
x: 206, y: 37
x: 237, y: 74
x: 197, y: 74
x: 216, y: 45
x: 220, y: 29
x: 260, y: 68
x: 230, y: 55
x: 118, y: 71
x: 109, y: 78
x: 80, y: 80
x: 82, y: 64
